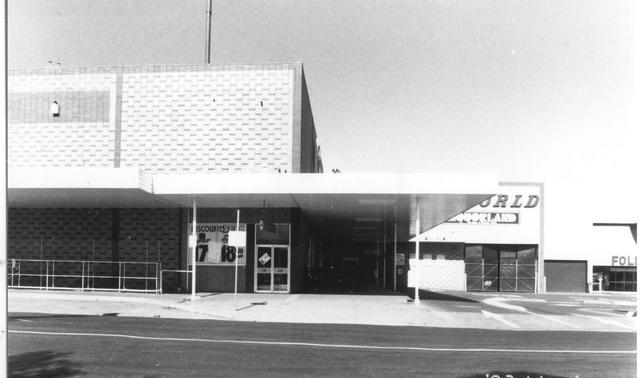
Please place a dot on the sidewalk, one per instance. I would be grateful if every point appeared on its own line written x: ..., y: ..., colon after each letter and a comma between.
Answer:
x: 286, y: 308
x: 391, y: 310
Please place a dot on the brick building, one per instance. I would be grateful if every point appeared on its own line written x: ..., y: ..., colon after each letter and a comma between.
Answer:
x: 107, y: 167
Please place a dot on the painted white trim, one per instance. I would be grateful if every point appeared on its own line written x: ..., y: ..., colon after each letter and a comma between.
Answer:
x: 325, y: 183
x: 79, y: 178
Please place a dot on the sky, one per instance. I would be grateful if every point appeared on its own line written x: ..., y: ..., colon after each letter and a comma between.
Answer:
x: 528, y: 90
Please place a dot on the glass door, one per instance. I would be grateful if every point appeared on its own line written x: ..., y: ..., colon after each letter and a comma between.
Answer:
x: 264, y: 263
x: 281, y: 269
x: 507, y: 271
x: 272, y: 269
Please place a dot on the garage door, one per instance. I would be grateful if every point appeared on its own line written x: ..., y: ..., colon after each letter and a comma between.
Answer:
x: 567, y: 276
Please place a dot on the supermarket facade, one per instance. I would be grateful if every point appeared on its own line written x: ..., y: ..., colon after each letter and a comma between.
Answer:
x: 109, y: 167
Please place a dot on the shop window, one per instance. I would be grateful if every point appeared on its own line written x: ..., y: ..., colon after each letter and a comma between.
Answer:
x: 490, y: 255
x: 615, y: 278
x: 473, y: 254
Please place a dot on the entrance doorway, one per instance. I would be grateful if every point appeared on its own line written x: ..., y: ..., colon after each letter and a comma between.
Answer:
x: 501, y: 268
x: 272, y: 269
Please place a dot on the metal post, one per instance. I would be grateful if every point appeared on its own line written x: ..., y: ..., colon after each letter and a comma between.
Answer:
x: 377, y: 256
x: 193, y: 253
x: 416, y: 299
x: 600, y: 285
x: 146, y: 269
x: 235, y: 290
x: 40, y: 262
x: 395, y: 254
x: 482, y: 274
x: 516, y: 272
x: 384, y: 253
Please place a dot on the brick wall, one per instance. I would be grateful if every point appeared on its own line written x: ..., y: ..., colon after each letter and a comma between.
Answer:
x: 96, y: 234
x: 149, y: 235
x: 78, y: 234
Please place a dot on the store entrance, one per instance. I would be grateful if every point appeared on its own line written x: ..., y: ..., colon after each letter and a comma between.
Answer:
x: 507, y: 268
x: 272, y: 269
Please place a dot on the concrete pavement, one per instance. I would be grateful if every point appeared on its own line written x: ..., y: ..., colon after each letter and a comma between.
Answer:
x: 564, y: 312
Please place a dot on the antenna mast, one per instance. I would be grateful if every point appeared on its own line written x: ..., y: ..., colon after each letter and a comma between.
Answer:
x: 208, y: 47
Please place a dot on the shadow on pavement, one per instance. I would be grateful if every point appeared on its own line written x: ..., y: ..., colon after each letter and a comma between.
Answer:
x: 432, y: 295
x: 44, y: 363
x: 263, y: 303
x: 31, y: 315
x: 514, y: 374
x: 354, y: 289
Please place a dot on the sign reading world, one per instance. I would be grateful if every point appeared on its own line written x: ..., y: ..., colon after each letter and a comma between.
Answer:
x: 512, y: 216
x: 212, y: 244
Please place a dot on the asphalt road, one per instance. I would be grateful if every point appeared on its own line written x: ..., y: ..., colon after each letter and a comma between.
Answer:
x: 59, y: 345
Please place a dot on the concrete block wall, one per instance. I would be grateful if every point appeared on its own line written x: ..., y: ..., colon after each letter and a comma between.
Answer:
x: 208, y: 118
x: 82, y: 135
x: 437, y: 274
x: 214, y: 118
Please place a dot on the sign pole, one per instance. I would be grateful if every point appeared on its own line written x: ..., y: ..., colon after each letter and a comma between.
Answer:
x: 193, y: 253
x: 384, y: 253
x: 235, y: 291
x: 395, y: 254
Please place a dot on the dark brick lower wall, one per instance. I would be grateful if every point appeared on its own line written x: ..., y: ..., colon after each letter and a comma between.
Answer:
x: 136, y: 235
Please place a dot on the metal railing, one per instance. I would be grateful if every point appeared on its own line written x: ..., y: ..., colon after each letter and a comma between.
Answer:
x: 121, y: 276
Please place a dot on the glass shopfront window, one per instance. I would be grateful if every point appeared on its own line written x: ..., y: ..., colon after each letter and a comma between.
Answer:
x: 273, y: 234
x: 616, y: 278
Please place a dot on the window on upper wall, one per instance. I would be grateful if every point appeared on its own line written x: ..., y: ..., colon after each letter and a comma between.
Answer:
x: 54, y: 109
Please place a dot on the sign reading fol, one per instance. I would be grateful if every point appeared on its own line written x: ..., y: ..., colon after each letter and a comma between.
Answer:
x: 213, y: 247
x: 624, y: 260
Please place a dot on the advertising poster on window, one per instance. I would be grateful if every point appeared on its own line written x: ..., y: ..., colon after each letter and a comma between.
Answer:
x: 212, y: 245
